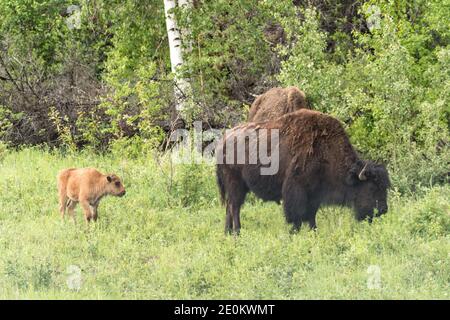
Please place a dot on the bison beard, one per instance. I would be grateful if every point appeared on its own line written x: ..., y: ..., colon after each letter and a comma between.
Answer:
x: 317, y: 165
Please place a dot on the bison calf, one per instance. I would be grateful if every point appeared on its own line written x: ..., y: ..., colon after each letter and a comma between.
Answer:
x: 277, y: 102
x: 86, y: 186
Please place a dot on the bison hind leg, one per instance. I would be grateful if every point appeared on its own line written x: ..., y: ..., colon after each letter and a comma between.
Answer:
x: 235, y: 199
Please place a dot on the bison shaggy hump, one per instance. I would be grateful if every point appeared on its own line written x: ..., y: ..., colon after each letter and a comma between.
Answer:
x: 277, y: 102
x: 317, y: 165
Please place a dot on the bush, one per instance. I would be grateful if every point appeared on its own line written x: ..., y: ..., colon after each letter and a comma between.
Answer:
x: 431, y: 217
x: 231, y: 58
x: 381, y: 67
x: 193, y: 186
x: 3, y: 151
x: 135, y: 147
x: 389, y: 115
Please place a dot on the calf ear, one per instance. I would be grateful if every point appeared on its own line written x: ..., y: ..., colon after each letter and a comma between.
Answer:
x: 109, y: 178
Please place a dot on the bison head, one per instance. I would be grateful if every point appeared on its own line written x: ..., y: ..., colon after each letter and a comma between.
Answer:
x: 369, y: 183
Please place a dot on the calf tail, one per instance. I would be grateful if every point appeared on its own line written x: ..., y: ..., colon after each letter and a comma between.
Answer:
x: 221, y: 184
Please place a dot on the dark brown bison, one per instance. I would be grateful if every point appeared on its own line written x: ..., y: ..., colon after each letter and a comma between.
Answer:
x: 277, y: 102
x: 316, y: 164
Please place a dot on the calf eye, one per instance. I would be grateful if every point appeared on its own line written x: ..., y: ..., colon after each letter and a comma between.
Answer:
x: 117, y: 183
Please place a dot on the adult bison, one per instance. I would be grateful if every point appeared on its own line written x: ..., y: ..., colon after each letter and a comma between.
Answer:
x: 315, y: 162
x: 277, y: 102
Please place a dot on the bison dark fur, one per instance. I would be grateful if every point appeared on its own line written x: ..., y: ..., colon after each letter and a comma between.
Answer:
x: 317, y: 165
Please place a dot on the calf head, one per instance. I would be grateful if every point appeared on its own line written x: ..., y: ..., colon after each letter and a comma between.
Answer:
x: 369, y: 184
x: 114, y: 186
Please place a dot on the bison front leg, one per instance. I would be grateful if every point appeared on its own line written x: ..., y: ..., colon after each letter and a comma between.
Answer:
x: 294, y: 204
x: 228, y: 219
x: 312, y: 222
x: 312, y: 208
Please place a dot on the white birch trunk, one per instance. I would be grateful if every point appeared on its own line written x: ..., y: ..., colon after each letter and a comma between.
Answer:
x: 185, y: 32
x: 176, y: 54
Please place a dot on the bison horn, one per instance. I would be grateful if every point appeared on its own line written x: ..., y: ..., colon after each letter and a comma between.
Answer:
x: 362, y: 174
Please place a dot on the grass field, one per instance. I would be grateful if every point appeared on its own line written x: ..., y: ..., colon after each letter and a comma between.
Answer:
x: 165, y: 240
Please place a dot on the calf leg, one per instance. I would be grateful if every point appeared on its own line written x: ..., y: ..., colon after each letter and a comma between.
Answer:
x: 71, y: 208
x: 94, y: 213
x: 87, y: 210
x: 62, y: 205
x: 62, y: 201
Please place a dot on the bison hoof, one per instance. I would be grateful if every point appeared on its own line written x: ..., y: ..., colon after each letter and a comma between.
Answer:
x: 230, y: 232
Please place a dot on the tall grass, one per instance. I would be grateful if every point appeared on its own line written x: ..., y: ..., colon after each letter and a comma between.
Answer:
x: 165, y: 239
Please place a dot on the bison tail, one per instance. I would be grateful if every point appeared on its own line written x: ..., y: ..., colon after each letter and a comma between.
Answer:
x: 221, y: 184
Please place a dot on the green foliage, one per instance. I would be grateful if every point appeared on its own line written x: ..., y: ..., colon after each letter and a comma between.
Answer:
x: 307, y: 64
x: 194, y: 187
x: 136, y: 146
x: 3, y: 151
x: 389, y: 114
x: 106, y: 58
x: 33, y: 25
x: 7, y: 120
x: 381, y: 67
x: 143, y: 247
x: 65, y: 135
x: 227, y: 52
x: 431, y: 218
x: 133, y: 102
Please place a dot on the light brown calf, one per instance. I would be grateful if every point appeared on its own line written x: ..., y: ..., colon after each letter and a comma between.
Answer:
x: 86, y: 186
x: 277, y: 102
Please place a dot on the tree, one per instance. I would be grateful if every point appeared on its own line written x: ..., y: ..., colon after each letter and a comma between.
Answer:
x: 181, y: 86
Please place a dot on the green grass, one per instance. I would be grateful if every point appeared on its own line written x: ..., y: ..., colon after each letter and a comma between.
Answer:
x: 165, y: 240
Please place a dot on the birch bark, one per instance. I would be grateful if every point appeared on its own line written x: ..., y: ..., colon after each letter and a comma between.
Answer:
x: 176, y: 53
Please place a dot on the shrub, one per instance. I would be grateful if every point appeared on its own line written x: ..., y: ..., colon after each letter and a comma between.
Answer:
x: 135, y: 147
x: 195, y: 185
x: 430, y: 218
x: 389, y: 116
x: 3, y: 151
